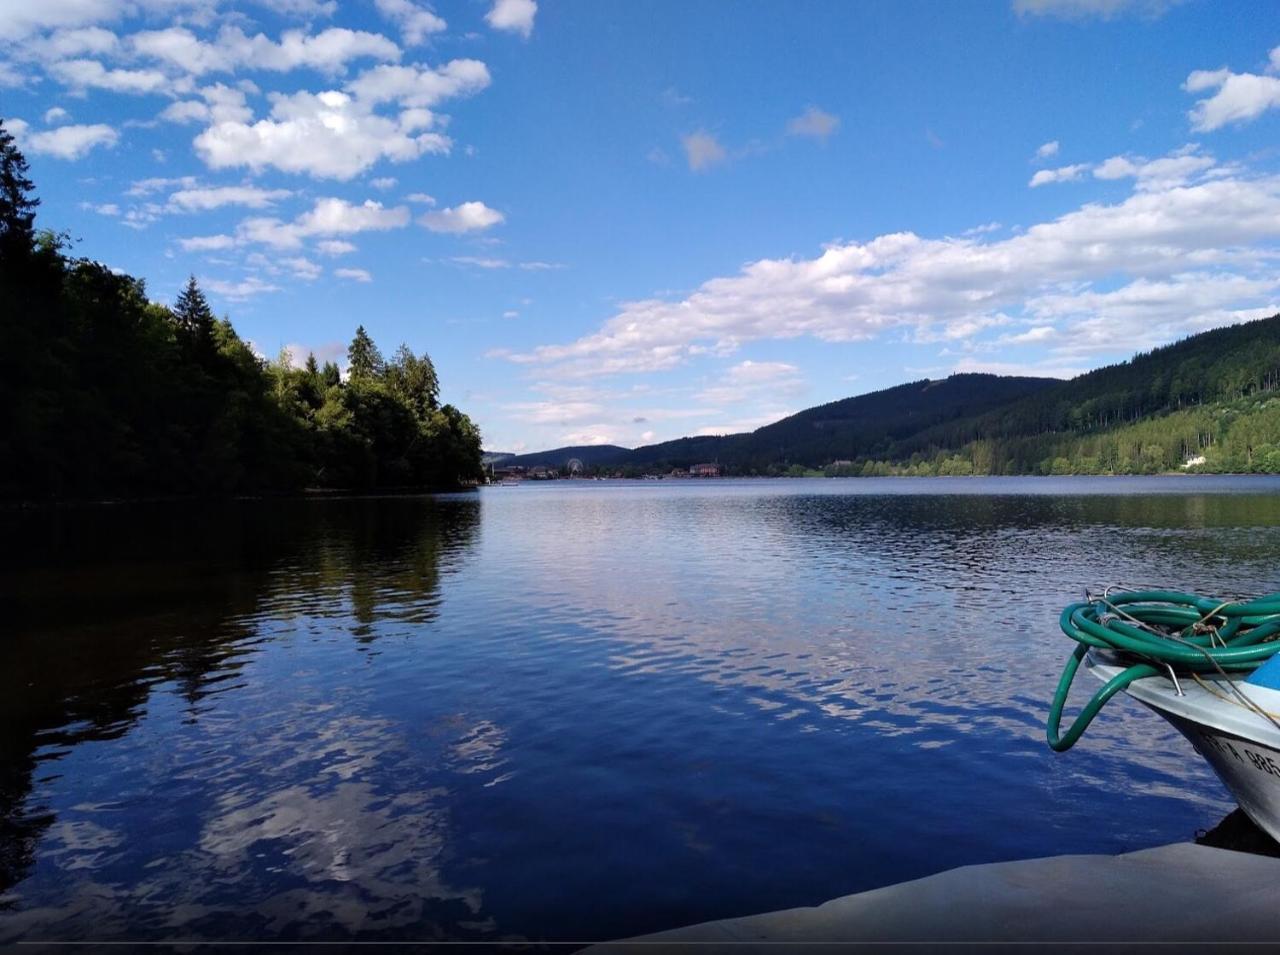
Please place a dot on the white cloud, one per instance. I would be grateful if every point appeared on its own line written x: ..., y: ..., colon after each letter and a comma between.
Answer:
x: 1032, y: 336
x: 302, y: 267
x: 419, y: 86
x: 1238, y: 98
x: 334, y: 247
x: 222, y: 104
x: 90, y: 74
x: 1149, y: 312
x: 416, y: 23
x: 149, y: 187
x: 336, y: 134
x: 328, y: 217
x: 480, y: 262
x: 63, y: 142
x: 339, y: 217
x: 557, y: 412
x: 486, y: 262
x: 328, y: 51
x: 354, y: 275
x: 983, y: 229
x: 421, y: 198
x: 467, y: 217
x: 750, y: 380
x: 1088, y: 9
x: 307, y: 9
x: 702, y: 150
x: 207, y: 243
x: 64, y: 44
x: 20, y: 19
x: 1047, y: 150
x: 1156, y: 174
x: 328, y: 136
x: 55, y: 115
x: 204, y: 199
x: 1061, y: 174
x: 514, y: 16
x: 1159, y: 246
x: 238, y: 291
x: 813, y: 123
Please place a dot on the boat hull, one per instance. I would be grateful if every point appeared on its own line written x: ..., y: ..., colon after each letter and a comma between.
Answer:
x: 1242, y: 746
x: 1249, y: 769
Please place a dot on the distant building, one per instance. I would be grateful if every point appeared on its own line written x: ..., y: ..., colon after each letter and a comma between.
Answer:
x: 842, y: 463
x: 704, y: 470
x: 542, y: 473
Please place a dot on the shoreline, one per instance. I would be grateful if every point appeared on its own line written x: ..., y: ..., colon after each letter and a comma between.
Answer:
x: 312, y: 494
x: 322, y: 494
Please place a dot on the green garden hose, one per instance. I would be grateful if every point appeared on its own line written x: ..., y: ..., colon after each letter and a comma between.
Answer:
x: 1155, y: 630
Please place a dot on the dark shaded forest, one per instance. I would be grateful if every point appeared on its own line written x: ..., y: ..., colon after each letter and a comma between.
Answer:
x: 106, y: 394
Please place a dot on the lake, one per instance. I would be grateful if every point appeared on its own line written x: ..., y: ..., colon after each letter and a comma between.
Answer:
x: 575, y: 710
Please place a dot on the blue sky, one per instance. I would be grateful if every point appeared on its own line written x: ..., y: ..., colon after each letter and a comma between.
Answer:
x: 622, y: 222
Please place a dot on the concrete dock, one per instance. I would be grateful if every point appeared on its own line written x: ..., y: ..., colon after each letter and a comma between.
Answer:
x: 1182, y: 897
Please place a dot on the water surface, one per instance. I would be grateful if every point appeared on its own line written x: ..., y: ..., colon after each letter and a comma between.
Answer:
x: 576, y: 710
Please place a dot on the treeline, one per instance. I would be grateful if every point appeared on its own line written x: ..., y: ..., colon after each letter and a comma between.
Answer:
x: 1231, y: 437
x: 1223, y: 365
x: 104, y: 393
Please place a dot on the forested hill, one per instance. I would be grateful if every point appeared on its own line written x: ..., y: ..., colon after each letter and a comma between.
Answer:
x: 104, y: 393
x: 1213, y: 396
x: 863, y: 426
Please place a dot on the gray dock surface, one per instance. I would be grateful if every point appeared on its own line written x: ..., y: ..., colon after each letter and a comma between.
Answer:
x: 1181, y: 897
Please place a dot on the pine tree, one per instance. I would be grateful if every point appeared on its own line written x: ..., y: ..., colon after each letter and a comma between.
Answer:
x: 17, y: 205
x: 413, y: 380
x: 330, y: 375
x: 364, y: 361
x: 193, y: 313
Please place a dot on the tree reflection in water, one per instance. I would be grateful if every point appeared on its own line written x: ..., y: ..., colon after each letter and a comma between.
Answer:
x: 103, y: 605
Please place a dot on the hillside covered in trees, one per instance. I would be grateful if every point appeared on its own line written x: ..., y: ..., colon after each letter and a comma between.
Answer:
x: 104, y: 393
x: 1210, y: 402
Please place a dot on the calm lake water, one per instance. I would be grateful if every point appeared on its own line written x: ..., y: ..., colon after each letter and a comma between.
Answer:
x: 575, y: 711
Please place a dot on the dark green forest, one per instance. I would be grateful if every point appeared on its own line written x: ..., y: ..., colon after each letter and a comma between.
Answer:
x: 1209, y: 403
x: 105, y: 393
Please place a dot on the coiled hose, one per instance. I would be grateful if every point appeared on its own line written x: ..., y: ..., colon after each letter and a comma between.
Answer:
x: 1156, y: 631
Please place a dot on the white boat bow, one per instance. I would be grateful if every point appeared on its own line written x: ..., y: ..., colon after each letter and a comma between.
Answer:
x: 1239, y: 742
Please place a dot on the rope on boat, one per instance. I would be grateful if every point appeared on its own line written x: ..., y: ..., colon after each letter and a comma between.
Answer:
x: 1163, y: 631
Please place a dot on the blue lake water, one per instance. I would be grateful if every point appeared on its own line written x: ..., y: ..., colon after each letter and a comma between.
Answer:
x: 576, y: 710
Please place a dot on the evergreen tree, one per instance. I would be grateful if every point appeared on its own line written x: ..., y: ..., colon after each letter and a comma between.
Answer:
x: 193, y: 313
x: 364, y: 361
x: 17, y: 205
x: 103, y: 393
x: 413, y: 380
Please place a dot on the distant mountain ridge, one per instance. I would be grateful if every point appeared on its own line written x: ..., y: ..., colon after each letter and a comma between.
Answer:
x: 1004, y: 424
x: 844, y: 428
x: 591, y: 455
